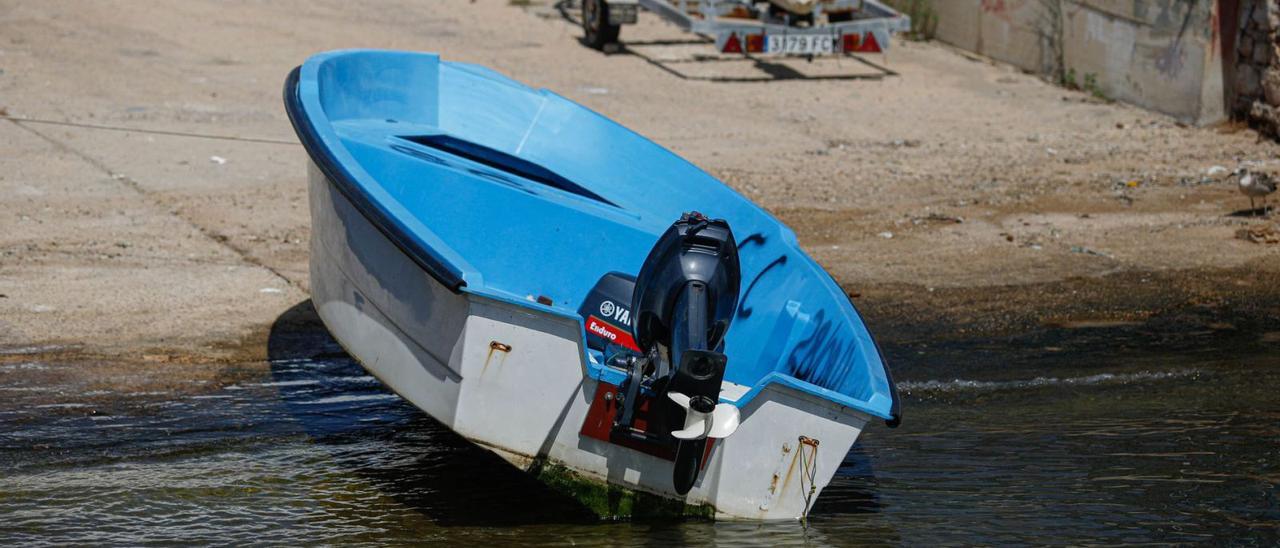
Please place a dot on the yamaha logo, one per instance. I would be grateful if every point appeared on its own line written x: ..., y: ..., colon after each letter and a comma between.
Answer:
x: 615, y: 313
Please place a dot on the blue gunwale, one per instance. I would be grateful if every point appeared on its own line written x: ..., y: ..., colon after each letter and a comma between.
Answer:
x: 331, y: 155
x: 325, y: 158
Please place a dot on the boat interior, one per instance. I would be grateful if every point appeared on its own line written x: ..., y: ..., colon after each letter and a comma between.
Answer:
x: 525, y: 194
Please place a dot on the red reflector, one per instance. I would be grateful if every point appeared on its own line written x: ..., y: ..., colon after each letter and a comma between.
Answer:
x: 755, y: 43
x: 851, y: 41
x: 869, y: 45
x: 732, y: 45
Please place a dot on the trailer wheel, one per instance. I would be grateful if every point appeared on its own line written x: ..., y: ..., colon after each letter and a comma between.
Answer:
x: 597, y: 32
x: 839, y: 16
x: 778, y: 14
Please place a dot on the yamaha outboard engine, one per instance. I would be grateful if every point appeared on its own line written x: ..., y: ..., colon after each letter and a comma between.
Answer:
x: 685, y: 297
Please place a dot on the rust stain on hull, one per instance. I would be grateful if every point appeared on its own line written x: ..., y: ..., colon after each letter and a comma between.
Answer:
x: 494, y: 346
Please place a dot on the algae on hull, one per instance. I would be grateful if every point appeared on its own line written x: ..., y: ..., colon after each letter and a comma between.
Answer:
x: 612, y: 502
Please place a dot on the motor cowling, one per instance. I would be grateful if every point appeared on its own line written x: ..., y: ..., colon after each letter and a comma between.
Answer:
x: 606, y: 312
x: 694, y: 249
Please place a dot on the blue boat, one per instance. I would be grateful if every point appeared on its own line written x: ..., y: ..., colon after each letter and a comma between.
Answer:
x: 573, y: 297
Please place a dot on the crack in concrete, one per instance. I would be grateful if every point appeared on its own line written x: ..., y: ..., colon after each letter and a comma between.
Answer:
x: 216, y: 237
x: 151, y: 131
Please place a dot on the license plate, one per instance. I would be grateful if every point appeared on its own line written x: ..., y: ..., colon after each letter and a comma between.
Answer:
x: 800, y: 44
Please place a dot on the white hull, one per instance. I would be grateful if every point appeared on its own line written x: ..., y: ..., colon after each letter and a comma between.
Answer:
x: 513, y: 379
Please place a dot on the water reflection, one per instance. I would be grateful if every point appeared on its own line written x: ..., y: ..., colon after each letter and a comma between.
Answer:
x: 402, y: 452
x: 1021, y: 448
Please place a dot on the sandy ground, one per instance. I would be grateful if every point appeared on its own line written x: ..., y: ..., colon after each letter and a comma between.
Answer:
x: 939, y: 189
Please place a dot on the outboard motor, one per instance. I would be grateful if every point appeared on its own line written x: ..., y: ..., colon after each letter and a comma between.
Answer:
x: 685, y: 297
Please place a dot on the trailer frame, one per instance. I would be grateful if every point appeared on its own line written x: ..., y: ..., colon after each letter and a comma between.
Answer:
x: 758, y: 26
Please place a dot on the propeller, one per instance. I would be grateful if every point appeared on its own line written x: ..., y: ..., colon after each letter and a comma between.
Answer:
x: 719, y: 423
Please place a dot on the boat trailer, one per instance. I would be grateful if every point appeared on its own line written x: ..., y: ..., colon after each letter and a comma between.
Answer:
x: 806, y: 28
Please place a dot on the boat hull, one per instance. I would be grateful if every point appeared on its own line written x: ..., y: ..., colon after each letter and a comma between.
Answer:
x: 514, y: 380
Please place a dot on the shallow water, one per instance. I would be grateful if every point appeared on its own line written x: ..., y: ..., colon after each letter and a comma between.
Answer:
x: 1060, y: 447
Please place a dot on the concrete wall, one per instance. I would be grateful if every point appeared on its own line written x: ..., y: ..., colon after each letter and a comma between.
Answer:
x: 1020, y: 32
x: 1257, y: 65
x: 1164, y: 55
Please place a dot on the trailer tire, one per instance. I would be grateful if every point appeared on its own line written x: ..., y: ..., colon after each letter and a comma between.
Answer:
x: 792, y: 19
x: 839, y: 16
x: 597, y: 32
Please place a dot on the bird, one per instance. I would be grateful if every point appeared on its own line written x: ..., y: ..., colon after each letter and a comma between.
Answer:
x: 1255, y: 185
